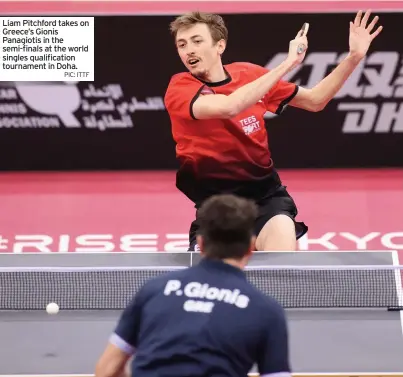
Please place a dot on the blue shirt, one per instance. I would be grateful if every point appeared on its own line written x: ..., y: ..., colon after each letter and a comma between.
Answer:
x: 207, y: 320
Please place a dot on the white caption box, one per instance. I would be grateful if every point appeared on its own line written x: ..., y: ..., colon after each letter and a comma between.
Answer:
x: 47, y: 49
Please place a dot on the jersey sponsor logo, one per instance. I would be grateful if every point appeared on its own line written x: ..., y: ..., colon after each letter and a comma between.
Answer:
x: 202, y: 297
x: 371, y: 98
x: 250, y: 125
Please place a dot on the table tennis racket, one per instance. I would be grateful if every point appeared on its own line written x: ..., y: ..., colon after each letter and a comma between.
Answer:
x: 304, y: 29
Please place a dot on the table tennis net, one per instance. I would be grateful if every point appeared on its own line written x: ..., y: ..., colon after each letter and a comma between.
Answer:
x: 79, y: 288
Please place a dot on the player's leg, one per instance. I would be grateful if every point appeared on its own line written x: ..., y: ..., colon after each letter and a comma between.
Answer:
x: 276, y: 227
x: 278, y: 234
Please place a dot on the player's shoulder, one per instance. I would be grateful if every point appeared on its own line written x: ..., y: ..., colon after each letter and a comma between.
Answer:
x: 246, y: 67
x: 181, y: 85
x: 182, y: 79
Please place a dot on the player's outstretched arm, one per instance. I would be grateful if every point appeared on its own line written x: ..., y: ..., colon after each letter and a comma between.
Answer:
x: 122, y: 342
x: 362, y: 33
x: 222, y: 106
x: 112, y: 362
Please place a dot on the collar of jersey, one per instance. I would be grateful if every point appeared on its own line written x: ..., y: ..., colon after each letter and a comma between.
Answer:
x: 220, y: 265
x: 217, y: 83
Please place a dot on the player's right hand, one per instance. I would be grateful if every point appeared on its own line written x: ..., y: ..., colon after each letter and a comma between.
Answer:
x: 298, y: 46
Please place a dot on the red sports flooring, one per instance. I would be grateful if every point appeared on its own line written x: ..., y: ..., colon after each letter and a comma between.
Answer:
x: 133, y: 211
x: 143, y: 211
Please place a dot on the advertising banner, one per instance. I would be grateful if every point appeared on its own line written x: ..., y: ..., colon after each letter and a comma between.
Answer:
x: 119, y: 121
x: 142, y: 211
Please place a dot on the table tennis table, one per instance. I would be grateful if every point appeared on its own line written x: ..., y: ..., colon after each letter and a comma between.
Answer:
x: 323, y: 341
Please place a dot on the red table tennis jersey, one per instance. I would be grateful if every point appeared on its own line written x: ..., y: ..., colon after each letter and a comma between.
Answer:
x: 235, y: 149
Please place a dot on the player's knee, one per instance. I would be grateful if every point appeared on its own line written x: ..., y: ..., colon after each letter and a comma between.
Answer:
x: 278, y: 234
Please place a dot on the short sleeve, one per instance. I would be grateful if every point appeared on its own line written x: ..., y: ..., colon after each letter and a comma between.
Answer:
x: 273, y: 355
x: 126, y: 332
x: 181, y: 93
x: 277, y: 99
x: 280, y: 96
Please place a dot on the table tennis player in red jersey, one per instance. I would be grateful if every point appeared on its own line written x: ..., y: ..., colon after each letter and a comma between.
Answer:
x: 217, y: 111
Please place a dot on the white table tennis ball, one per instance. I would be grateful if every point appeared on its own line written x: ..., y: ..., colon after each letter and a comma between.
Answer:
x: 52, y: 308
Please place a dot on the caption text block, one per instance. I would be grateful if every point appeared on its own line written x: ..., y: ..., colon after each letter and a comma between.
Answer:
x: 47, y: 49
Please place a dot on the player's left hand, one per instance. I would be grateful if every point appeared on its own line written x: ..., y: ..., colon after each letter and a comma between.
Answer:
x: 360, y: 34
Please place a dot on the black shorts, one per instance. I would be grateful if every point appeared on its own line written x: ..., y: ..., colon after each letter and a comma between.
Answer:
x: 277, y: 202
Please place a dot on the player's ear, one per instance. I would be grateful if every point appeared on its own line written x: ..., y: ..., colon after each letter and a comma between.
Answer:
x: 221, y: 44
x: 199, y: 240
x: 252, y: 247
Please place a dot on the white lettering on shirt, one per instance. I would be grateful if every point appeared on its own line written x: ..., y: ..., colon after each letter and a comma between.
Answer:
x: 203, y: 296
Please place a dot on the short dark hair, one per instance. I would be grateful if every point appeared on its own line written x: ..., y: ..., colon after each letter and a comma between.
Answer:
x: 226, y: 224
x: 214, y: 22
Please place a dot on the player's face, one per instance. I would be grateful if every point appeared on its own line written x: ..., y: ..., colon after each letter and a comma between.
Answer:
x: 197, y: 50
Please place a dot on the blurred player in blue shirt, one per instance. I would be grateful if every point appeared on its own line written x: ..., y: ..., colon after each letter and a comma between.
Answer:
x: 207, y: 320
